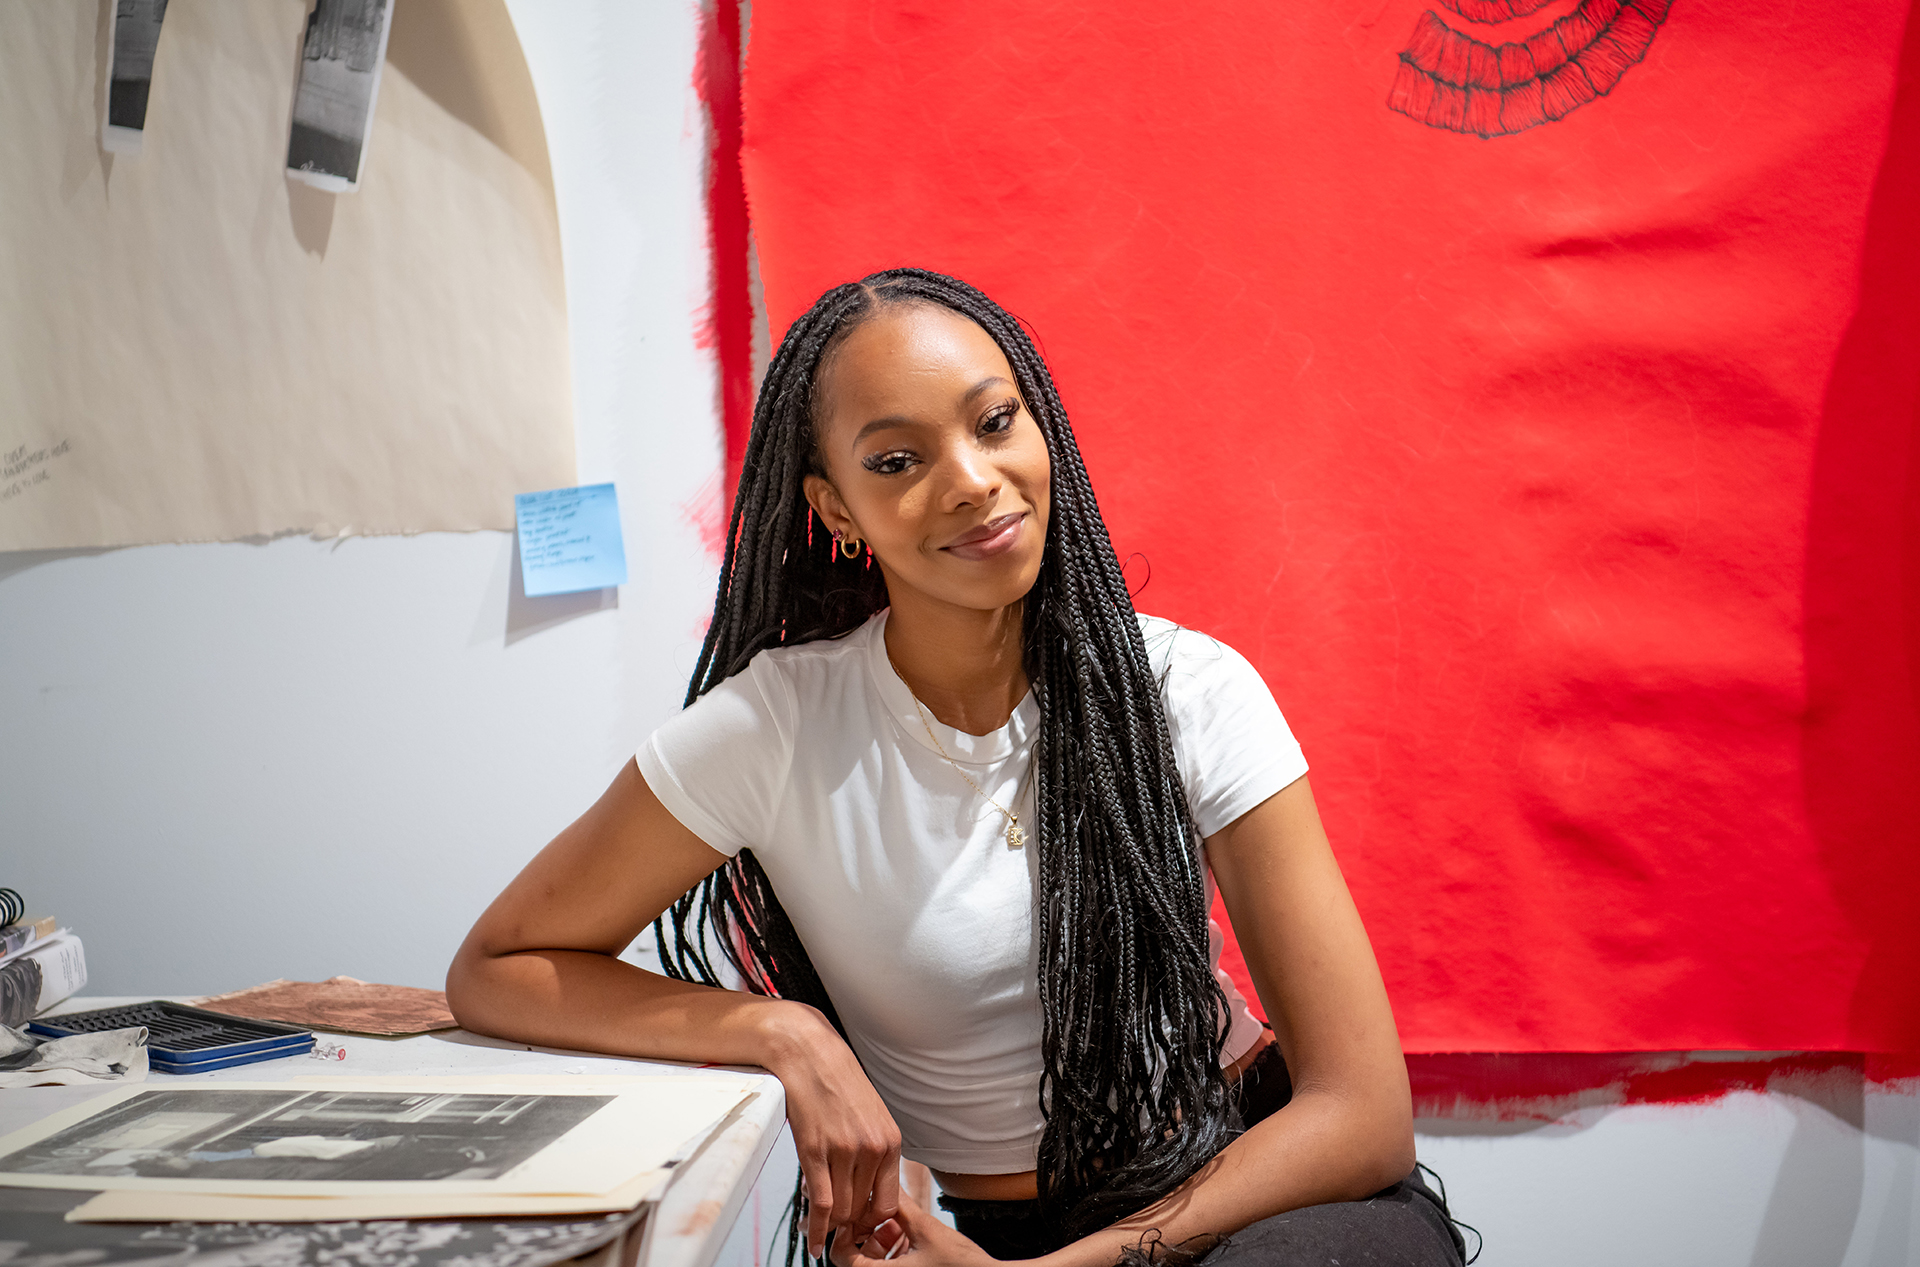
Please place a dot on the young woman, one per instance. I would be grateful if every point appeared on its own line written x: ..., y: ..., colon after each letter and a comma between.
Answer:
x: 954, y: 813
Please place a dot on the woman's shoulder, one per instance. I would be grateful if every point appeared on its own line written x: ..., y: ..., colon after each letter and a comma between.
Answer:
x: 1177, y: 651
x: 821, y: 659
x: 1197, y: 672
x: 1233, y: 746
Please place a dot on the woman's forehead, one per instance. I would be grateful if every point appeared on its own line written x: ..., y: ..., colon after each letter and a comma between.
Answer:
x: 910, y: 351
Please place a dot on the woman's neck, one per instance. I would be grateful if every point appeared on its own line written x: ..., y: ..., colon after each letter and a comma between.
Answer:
x: 968, y: 667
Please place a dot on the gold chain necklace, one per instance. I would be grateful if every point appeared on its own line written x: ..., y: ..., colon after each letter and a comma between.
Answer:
x: 1016, y: 837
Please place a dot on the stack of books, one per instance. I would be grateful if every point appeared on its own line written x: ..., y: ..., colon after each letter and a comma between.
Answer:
x: 41, y: 964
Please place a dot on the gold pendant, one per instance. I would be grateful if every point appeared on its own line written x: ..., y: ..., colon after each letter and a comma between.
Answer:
x: 1016, y: 839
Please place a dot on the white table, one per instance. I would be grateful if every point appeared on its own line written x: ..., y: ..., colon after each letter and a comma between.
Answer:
x: 685, y: 1228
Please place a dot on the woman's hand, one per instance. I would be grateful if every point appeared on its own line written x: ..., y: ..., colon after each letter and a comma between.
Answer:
x: 849, y: 1146
x: 913, y: 1233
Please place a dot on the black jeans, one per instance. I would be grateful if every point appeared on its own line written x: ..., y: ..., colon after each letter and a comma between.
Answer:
x: 1406, y: 1225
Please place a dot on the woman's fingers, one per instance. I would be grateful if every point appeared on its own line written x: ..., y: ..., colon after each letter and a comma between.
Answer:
x: 819, y: 1192
x: 876, y: 1185
x: 847, y: 1198
x: 930, y: 1242
x: 841, y: 1251
x: 884, y: 1200
x: 889, y: 1241
x: 851, y: 1190
x: 868, y: 1258
x: 886, y: 1240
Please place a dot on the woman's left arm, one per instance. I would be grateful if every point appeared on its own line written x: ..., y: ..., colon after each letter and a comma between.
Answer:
x: 1348, y: 1131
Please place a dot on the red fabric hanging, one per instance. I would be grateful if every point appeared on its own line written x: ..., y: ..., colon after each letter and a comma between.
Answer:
x: 1528, y: 389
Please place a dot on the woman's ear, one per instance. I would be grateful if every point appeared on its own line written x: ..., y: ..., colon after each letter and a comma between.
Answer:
x: 826, y: 503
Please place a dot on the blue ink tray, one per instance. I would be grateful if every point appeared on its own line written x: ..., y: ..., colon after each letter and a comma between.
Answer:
x: 183, y: 1039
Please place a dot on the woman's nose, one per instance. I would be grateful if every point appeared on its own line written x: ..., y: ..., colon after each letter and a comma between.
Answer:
x: 970, y: 478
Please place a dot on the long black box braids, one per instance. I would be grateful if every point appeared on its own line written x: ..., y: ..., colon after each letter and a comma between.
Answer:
x: 1132, y: 1017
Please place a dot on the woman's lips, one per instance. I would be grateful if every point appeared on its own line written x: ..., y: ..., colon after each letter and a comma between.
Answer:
x: 996, y: 536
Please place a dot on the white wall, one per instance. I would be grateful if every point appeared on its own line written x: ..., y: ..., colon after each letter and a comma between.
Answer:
x: 1774, y: 1179
x: 227, y: 763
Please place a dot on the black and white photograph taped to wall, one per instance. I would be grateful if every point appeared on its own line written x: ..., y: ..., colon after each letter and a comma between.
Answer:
x: 346, y: 45
x: 307, y: 1136
x: 134, y: 37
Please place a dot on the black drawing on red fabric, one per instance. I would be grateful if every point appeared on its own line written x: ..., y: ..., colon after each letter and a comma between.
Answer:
x: 1453, y: 81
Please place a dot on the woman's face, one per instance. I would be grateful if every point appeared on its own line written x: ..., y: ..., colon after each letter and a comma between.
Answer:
x: 932, y: 458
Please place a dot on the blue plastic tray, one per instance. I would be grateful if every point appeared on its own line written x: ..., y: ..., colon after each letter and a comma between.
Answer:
x: 183, y: 1039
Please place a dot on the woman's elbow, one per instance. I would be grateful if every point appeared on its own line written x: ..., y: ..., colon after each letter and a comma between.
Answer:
x: 1395, y: 1160
x: 1376, y: 1141
x: 467, y: 989
x: 1389, y: 1155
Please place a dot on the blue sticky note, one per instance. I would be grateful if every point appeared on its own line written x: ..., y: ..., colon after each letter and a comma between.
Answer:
x: 570, y: 540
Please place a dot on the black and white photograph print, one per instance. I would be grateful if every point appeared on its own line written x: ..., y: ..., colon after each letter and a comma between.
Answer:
x: 135, y: 37
x: 34, y: 1233
x: 346, y: 44
x: 310, y: 1136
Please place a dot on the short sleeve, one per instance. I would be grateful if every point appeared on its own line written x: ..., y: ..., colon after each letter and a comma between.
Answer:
x: 720, y: 766
x: 1233, y: 747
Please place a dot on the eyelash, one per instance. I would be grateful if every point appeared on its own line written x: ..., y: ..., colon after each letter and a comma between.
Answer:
x: 879, y: 462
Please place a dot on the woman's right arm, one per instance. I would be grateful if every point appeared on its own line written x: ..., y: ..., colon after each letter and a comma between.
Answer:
x: 541, y: 966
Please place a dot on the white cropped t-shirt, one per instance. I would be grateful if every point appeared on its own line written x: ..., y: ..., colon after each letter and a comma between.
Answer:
x: 897, y: 874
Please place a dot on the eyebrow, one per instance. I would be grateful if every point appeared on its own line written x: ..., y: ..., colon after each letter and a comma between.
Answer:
x: 881, y: 424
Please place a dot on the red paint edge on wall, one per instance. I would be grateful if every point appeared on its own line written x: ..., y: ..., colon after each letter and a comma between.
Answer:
x: 1548, y: 1086
x: 726, y: 327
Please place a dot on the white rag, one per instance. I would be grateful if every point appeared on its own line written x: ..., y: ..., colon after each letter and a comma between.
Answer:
x: 113, y: 1055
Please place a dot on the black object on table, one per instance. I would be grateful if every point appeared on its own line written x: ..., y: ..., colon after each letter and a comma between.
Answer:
x: 183, y: 1039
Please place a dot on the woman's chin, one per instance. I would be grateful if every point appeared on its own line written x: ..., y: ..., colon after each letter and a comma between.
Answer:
x: 986, y: 585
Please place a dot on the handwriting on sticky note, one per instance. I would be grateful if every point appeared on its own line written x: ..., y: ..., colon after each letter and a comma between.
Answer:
x: 570, y: 540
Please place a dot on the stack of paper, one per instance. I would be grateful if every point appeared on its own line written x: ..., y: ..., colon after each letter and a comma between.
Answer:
x: 360, y: 1148
x: 41, y: 964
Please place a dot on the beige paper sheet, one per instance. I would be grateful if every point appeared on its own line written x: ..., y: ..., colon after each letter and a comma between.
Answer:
x: 649, y: 1122
x: 195, y: 347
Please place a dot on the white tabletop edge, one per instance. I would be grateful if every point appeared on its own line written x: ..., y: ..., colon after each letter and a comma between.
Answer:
x: 692, y: 1220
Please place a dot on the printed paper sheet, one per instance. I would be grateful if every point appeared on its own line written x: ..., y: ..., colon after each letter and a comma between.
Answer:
x: 373, y: 1137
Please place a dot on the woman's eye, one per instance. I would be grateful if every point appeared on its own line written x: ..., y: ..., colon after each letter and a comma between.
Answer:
x: 999, y: 420
x: 887, y: 463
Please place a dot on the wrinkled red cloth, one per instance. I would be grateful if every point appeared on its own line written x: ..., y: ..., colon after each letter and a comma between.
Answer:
x: 1528, y: 389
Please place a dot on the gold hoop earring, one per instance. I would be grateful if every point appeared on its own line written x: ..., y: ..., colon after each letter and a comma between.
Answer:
x: 850, y: 547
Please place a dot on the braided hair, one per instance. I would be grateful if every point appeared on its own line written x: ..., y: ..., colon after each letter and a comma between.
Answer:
x: 1132, y: 1018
